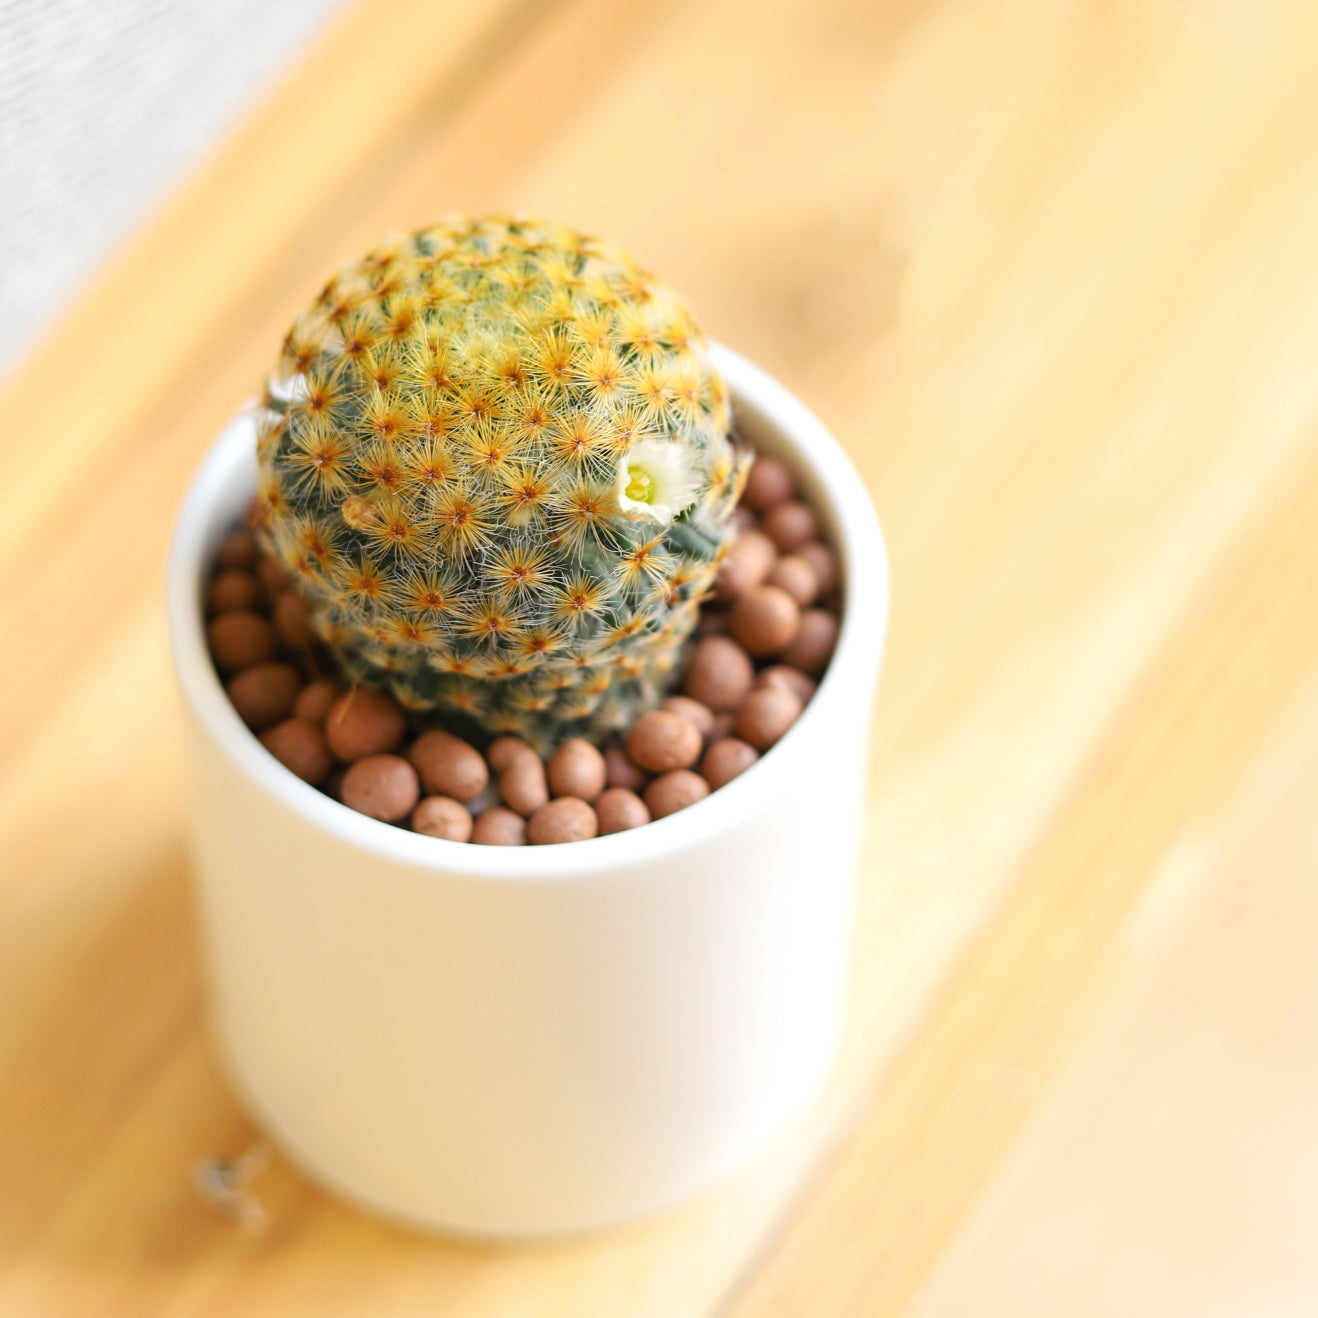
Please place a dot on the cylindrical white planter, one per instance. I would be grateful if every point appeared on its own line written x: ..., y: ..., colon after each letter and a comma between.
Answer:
x: 520, y: 1041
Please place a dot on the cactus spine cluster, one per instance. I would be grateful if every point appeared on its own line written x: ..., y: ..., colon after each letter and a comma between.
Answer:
x: 496, y: 456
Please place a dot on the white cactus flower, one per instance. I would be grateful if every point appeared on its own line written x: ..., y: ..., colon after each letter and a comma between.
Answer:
x: 656, y: 481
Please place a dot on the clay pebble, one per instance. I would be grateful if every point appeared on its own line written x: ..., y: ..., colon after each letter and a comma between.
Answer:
x: 382, y: 786
x: 238, y: 549
x: 797, y: 577
x: 824, y: 561
x: 766, y: 713
x: 442, y: 816
x: 725, y: 759
x: 315, y: 699
x: 293, y: 621
x: 812, y: 646
x: 449, y: 766
x: 504, y: 750
x: 564, y: 819
x: 264, y: 694
x: 300, y: 746
x: 233, y: 590
x: 240, y: 639
x: 661, y: 741
x: 618, y: 809
x: 790, y: 524
x: 701, y: 717
x: 764, y: 620
x: 674, y: 791
x: 523, y: 784
x: 802, y: 683
x: 499, y: 827
x: 769, y: 481
x: 577, y: 769
x: 719, y: 674
x: 364, y: 722
x: 746, y: 564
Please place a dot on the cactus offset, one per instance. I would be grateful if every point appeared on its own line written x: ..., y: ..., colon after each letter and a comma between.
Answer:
x: 496, y: 456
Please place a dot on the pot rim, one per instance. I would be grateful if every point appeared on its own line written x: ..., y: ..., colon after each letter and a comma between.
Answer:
x: 843, y: 694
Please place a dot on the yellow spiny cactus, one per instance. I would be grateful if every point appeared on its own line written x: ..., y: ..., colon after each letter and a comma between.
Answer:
x: 496, y: 456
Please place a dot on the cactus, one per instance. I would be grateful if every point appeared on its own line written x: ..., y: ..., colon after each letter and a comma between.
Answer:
x: 496, y: 457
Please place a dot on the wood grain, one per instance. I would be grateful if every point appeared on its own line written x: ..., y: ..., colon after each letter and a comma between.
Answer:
x: 1166, y: 773
x: 1045, y: 267
x: 1171, y: 1168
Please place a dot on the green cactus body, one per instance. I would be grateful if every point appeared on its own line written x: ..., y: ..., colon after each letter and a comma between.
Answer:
x: 496, y: 456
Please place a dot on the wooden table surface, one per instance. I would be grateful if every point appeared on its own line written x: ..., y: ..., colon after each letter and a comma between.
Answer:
x: 1049, y: 270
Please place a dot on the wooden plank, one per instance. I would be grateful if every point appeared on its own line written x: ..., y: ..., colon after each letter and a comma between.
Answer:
x: 1007, y: 248
x: 1169, y: 767
x: 1172, y: 1168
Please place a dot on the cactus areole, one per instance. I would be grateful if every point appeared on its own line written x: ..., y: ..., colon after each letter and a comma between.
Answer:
x: 496, y: 457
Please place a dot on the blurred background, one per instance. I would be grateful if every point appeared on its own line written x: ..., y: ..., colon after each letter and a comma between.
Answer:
x: 1047, y: 269
x: 104, y: 109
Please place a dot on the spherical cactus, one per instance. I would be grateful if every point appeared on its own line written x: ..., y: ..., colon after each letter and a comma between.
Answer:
x: 496, y: 457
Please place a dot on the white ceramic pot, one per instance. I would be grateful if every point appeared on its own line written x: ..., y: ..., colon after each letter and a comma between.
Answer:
x: 522, y: 1041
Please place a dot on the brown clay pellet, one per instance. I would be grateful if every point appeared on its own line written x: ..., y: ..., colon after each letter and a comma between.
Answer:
x: 273, y: 575
x: 315, y: 699
x: 719, y: 674
x: 504, y: 750
x: 722, y: 726
x: 725, y: 759
x: 231, y: 590
x: 701, y: 717
x: 382, y: 786
x: 449, y: 766
x: 802, y: 683
x: 764, y: 620
x: 660, y: 741
x: 240, y: 639
x: 576, y: 768
x: 523, y: 786
x: 238, y: 550
x: 565, y: 819
x: 791, y: 524
x: 743, y: 519
x: 499, y: 827
x: 300, y: 746
x: 442, y: 816
x: 621, y: 772
x: 766, y: 714
x: 797, y: 577
x: 813, y: 645
x: 746, y: 564
x: 293, y: 621
x: 674, y: 791
x: 769, y: 482
x: 264, y: 694
x: 364, y: 722
x: 824, y: 561
x: 618, y: 809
